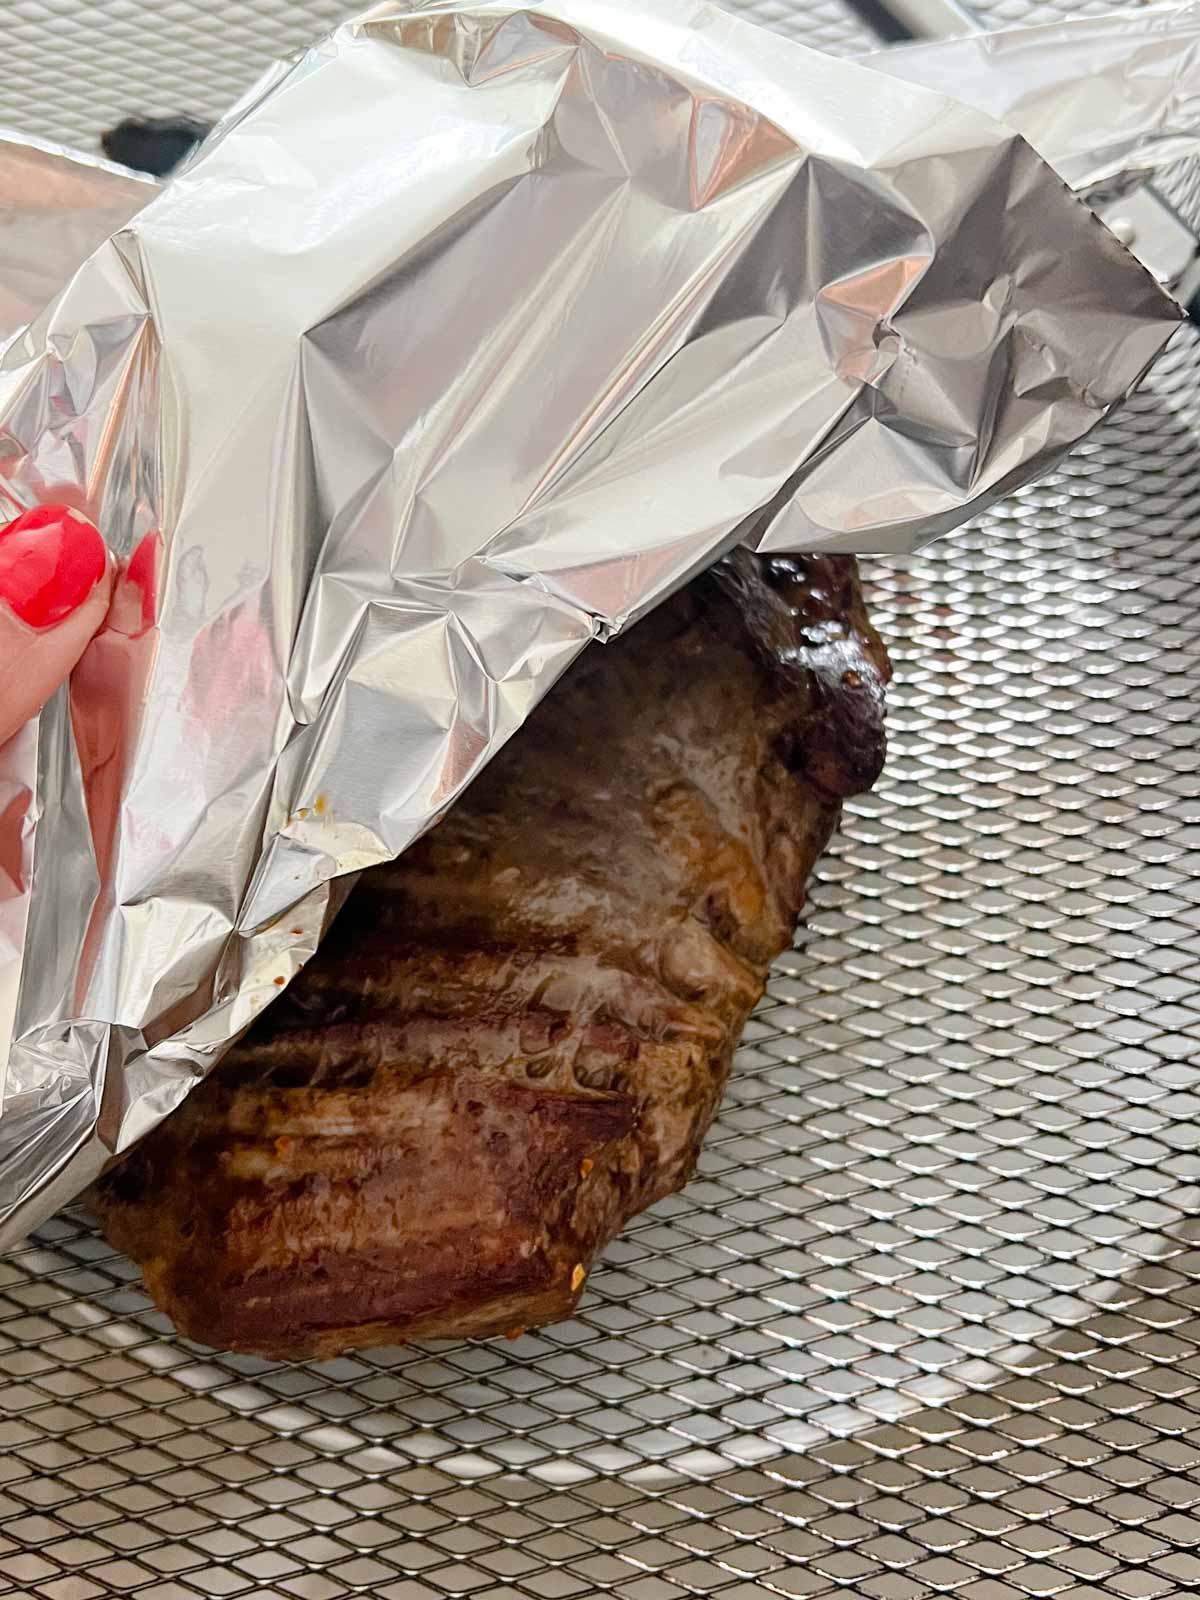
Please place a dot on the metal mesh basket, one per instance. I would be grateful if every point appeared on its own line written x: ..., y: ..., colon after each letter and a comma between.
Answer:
x: 928, y: 1322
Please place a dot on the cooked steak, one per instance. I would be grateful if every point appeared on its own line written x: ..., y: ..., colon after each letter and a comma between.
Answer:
x: 515, y: 1036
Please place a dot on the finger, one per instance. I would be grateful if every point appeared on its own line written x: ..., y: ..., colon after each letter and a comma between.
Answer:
x: 55, y: 579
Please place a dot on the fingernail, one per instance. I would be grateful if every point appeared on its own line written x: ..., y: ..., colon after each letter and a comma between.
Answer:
x: 133, y: 606
x: 51, y: 558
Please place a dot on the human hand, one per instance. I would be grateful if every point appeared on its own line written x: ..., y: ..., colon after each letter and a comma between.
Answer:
x: 55, y: 584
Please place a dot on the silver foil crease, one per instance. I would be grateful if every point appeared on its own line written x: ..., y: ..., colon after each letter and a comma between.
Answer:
x: 1100, y: 98
x: 56, y: 207
x: 468, y: 336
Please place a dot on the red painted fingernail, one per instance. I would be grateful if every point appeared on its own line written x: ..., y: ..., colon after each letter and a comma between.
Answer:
x: 142, y: 572
x: 134, y: 600
x: 51, y: 558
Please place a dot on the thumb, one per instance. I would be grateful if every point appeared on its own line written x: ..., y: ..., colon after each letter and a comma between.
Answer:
x: 55, y: 578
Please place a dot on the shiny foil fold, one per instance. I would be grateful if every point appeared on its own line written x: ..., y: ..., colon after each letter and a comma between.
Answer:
x: 1101, y: 99
x: 56, y: 207
x: 468, y: 336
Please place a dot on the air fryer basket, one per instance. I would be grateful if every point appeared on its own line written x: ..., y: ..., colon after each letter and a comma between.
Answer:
x: 928, y: 1321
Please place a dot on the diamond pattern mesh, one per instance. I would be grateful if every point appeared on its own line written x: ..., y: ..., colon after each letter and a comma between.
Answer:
x: 928, y: 1322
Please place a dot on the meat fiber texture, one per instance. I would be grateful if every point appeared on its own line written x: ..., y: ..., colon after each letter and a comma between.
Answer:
x: 516, y: 1035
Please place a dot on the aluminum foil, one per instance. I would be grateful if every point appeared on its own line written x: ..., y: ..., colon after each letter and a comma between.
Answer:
x: 468, y: 337
x: 56, y: 207
x: 1100, y: 98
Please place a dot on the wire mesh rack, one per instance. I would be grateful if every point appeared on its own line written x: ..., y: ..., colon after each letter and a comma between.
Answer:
x: 928, y: 1321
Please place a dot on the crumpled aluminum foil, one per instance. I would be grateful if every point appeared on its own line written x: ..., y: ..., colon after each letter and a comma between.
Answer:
x: 56, y: 207
x: 468, y: 336
x: 1101, y: 99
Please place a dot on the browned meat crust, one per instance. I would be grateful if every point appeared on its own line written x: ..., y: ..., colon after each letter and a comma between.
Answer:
x: 515, y: 1037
